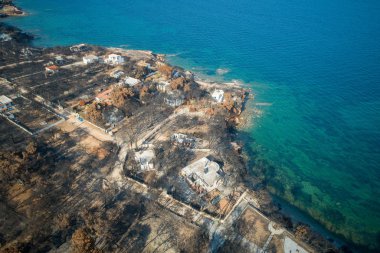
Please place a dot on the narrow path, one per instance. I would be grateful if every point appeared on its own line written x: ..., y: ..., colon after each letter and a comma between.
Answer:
x: 273, y: 231
x: 53, y: 81
x: 50, y: 126
x: 32, y: 74
x: 19, y: 63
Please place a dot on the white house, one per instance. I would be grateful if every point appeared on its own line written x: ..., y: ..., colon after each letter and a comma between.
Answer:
x: 130, y: 81
x: 163, y: 86
x: 89, y: 59
x: 114, y: 59
x: 145, y: 159
x: 204, y: 174
x: 5, y: 103
x: 218, y: 95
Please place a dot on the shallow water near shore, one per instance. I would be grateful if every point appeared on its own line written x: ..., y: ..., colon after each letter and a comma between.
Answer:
x: 316, y: 63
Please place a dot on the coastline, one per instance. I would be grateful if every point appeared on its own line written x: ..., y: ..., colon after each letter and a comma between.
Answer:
x: 293, y: 210
x: 202, y: 83
x: 300, y: 216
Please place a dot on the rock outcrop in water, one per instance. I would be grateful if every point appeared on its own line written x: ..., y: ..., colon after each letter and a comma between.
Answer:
x: 7, y: 8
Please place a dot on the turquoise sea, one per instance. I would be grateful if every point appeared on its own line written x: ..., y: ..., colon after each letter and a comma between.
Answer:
x: 316, y: 63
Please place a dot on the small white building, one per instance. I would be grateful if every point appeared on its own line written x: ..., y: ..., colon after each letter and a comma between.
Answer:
x: 163, y: 86
x: 204, y: 174
x: 5, y: 103
x: 89, y: 59
x: 130, y: 81
x: 218, y: 95
x: 114, y: 59
x: 182, y: 139
x: 145, y: 159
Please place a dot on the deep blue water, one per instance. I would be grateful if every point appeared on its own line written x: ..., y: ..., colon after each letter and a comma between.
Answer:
x: 317, y: 62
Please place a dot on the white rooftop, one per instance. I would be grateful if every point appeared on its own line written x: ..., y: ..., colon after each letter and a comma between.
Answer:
x: 5, y: 100
x: 131, y: 81
x: 204, y: 172
x: 218, y: 95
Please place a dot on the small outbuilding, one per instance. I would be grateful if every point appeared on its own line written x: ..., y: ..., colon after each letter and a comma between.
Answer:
x: 52, y: 69
x: 89, y: 59
x: 218, y: 95
x: 182, y: 139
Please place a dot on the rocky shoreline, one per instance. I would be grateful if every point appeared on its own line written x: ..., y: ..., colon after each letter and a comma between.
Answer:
x: 18, y: 46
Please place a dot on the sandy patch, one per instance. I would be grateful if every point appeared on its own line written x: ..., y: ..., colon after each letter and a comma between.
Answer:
x: 92, y: 146
x: 67, y: 126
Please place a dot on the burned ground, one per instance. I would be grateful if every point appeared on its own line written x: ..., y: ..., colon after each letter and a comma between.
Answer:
x: 11, y: 136
x: 61, y: 179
